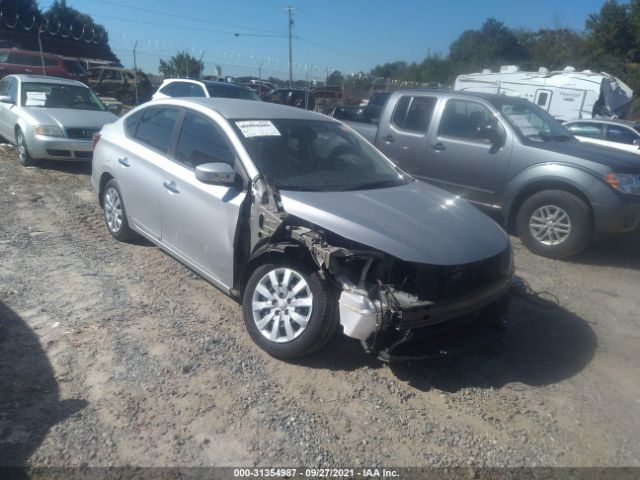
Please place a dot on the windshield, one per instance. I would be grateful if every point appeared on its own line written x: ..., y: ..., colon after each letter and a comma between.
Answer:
x: 316, y: 156
x: 58, y: 95
x: 533, y: 123
x: 232, y: 92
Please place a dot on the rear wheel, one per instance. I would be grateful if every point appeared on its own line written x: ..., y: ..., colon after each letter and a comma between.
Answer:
x: 115, y: 215
x: 289, y: 311
x: 554, y: 223
x: 23, y: 152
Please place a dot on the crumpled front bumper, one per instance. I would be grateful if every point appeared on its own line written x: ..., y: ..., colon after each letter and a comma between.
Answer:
x: 415, y: 330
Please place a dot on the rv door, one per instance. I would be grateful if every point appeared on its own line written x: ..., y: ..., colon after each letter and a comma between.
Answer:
x: 543, y: 98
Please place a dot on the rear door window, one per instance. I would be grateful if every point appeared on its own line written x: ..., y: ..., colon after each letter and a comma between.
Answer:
x: 414, y: 113
x: 156, y: 127
x: 620, y: 134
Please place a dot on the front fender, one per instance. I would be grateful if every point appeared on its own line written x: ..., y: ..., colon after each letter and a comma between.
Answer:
x: 554, y: 175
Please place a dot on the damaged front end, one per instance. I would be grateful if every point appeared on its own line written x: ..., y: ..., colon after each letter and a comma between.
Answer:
x: 397, y: 309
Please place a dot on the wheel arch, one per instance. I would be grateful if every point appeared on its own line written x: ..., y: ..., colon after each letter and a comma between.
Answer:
x: 540, y: 185
x: 104, y: 179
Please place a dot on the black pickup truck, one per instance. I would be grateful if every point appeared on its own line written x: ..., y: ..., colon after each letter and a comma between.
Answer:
x: 509, y: 155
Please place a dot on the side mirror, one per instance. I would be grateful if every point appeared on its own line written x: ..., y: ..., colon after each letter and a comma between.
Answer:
x: 6, y: 99
x: 216, y: 173
x: 490, y: 131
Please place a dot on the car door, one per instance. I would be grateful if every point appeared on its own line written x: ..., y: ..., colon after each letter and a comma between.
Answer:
x: 8, y: 117
x: 199, y: 220
x: 460, y: 160
x: 404, y: 138
x: 142, y: 162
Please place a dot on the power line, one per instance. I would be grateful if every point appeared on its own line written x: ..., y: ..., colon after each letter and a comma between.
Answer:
x: 194, y: 19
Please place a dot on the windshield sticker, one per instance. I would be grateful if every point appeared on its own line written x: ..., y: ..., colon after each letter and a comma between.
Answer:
x: 36, y: 99
x: 258, y: 128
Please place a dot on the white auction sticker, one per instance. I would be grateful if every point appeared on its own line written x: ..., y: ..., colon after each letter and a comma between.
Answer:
x: 36, y: 99
x: 258, y: 128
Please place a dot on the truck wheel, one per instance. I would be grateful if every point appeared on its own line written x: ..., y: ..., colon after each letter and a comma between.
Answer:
x: 289, y: 311
x: 554, y: 224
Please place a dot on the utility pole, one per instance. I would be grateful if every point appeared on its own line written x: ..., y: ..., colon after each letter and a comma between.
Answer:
x: 260, y: 72
x: 290, y: 9
x: 135, y: 72
x: 44, y: 72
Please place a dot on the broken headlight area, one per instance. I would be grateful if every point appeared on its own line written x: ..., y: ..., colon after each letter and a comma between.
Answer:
x: 403, y: 310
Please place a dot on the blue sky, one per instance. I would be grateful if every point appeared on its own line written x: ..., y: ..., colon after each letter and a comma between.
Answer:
x: 347, y: 35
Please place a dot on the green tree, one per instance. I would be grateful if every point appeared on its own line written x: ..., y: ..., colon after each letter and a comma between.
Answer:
x: 182, y: 64
x: 554, y: 48
x: 335, y: 78
x: 491, y: 46
x: 611, y: 33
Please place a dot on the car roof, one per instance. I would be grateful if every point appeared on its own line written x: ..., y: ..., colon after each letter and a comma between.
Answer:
x: 490, y: 97
x: 23, y: 51
x: 235, y: 109
x: 204, y: 82
x: 24, y: 78
x: 608, y: 121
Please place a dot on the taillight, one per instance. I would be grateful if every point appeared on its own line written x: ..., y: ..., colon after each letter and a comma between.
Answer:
x: 94, y: 140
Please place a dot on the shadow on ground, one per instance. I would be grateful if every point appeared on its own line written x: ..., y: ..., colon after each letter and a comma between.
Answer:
x: 29, y: 399
x: 542, y: 344
x: 76, y: 168
x: 614, y: 251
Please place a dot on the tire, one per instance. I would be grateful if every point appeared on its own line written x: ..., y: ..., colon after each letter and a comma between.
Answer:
x: 115, y: 215
x: 296, y: 340
x: 554, y: 224
x: 24, y: 157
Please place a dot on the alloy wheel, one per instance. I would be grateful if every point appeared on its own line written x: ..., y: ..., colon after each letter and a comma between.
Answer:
x: 113, y: 210
x: 550, y: 225
x: 282, y: 303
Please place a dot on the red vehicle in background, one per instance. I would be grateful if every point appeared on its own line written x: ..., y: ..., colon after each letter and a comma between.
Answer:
x: 16, y: 61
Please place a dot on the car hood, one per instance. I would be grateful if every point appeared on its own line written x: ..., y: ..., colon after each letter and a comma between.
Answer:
x: 415, y: 222
x: 615, y: 159
x: 69, y: 117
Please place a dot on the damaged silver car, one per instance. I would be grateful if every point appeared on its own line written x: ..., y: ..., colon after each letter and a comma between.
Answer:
x: 301, y: 219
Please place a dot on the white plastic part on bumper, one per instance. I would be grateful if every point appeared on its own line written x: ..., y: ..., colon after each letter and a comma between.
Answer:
x: 357, y: 315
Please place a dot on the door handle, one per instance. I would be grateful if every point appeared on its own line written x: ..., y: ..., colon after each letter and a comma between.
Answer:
x: 389, y: 138
x: 171, y: 186
x: 438, y: 146
x: 124, y: 161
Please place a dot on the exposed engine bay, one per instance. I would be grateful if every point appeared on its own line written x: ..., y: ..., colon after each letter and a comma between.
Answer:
x: 394, y: 307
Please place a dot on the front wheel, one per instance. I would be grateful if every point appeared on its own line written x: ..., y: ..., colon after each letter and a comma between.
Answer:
x: 554, y: 224
x: 23, y: 152
x: 289, y: 311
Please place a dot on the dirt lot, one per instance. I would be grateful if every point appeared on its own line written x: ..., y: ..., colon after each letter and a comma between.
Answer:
x: 116, y: 354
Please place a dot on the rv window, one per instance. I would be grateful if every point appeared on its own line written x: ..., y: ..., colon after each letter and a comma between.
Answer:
x: 584, y: 129
x: 462, y: 119
x: 620, y: 135
x: 542, y: 98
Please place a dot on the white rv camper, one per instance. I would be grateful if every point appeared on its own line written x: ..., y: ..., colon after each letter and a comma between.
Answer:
x: 565, y: 94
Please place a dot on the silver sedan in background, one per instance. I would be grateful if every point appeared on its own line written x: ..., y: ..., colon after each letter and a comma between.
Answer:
x: 50, y: 118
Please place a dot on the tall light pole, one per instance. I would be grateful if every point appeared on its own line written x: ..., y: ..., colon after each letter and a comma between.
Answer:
x: 135, y: 72
x: 290, y: 9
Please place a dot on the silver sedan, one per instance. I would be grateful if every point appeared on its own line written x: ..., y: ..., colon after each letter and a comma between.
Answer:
x: 50, y: 118
x: 301, y: 219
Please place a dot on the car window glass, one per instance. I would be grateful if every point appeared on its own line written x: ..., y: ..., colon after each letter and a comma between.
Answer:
x: 202, y: 142
x: 4, y: 84
x: 583, y: 129
x: 620, y: 135
x: 131, y: 123
x: 400, y: 113
x: 156, y: 126
x: 3, y: 57
x: 196, y: 90
x: 462, y: 119
x: 416, y: 113
x: 48, y: 62
x: 12, y: 90
x: 18, y: 59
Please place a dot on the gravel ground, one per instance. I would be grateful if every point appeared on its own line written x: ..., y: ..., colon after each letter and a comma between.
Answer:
x: 116, y: 354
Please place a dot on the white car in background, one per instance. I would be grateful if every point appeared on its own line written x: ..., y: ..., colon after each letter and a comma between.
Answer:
x: 619, y: 134
x: 184, y: 87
